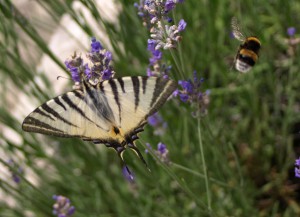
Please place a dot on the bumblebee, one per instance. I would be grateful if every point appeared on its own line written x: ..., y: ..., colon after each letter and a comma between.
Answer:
x: 247, y: 54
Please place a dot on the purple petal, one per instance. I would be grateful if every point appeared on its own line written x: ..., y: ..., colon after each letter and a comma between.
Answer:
x: 181, y: 25
x: 170, y: 4
x: 291, y: 31
x: 95, y: 45
x: 183, y: 97
x: 162, y: 148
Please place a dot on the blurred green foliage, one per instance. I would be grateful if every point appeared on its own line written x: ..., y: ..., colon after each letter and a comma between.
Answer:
x: 250, y: 135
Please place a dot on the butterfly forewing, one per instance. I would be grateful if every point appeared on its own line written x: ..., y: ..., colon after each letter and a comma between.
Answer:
x: 68, y: 115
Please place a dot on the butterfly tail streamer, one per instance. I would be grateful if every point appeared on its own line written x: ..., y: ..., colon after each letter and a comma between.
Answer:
x: 138, y: 153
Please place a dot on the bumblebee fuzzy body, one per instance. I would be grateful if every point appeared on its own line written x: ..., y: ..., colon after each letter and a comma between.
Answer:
x: 247, y: 54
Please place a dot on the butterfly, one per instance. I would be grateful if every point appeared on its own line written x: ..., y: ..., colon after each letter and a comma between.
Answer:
x: 110, y: 112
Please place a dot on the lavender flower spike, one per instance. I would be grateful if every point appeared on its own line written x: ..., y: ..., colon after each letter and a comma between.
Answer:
x: 62, y: 206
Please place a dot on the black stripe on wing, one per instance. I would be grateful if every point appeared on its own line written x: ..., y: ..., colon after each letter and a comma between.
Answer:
x: 136, y: 88
x: 144, y: 83
x: 163, y: 89
x: 121, y: 82
x: 116, y: 95
x: 39, y: 111
x: 34, y: 125
x: 158, y: 89
x: 55, y: 114
x: 58, y: 102
x: 72, y: 105
x: 99, y: 103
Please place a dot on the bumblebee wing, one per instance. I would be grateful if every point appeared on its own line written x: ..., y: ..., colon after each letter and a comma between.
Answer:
x: 236, y: 30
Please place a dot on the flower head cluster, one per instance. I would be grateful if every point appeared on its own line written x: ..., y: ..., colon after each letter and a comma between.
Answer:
x: 166, y: 36
x: 191, y: 93
x: 153, y: 10
x: 297, y: 167
x: 98, y: 68
x: 62, y: 206
x: 162, y: 152
x: 163, y: 36
x: 156, y: 68
x: 157, y: 122
x: 15, y: 174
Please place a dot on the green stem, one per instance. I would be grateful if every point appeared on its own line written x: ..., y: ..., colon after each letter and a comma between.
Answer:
x: 204, y: 167
x: 200, y: 175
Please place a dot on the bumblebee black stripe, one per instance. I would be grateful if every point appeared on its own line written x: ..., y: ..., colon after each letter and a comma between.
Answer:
x: 116, y: 95
x: 58, y: 102
x: 136, y: 88
x: 121, y: 82
x: 55, y: 114
x: 39, y: 111
x: 144, y: 83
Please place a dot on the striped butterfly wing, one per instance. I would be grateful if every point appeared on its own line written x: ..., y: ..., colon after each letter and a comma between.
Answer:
x: 135, y: 98
x: 95, y: 113
x: 68, y: 115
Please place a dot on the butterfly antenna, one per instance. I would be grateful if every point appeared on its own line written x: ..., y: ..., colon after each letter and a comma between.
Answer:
x: 138, y: 153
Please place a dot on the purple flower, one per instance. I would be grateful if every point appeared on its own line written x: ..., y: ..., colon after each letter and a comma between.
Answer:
x: 108, y: 56
x: 175, y: 93
x: 62, y: 206
x: 297, y: 172
x: 158, y: 123
x: 156, y: 56
x: 87, y: 71
x: 95, y: 45
x: 184, y: 97
x: 291, y: 31
x: 181, y: 25
x: 191, y: 93
x: 75, y: 67
x: 297, y: 169
x: 97, y: 70
x: 107, y: 74
x: 149, y: 148
x: 187, y: 86
x: 169, y: 5
x: 155, y: 119
x: 16, y: 172
x: 163, y: 153
x: 151, y: 45
x: 169, y: 19
x: 129, y: 176
x: 162, y: 148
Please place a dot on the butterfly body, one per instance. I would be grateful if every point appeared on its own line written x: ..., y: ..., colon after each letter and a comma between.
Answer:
x: 111, y: 112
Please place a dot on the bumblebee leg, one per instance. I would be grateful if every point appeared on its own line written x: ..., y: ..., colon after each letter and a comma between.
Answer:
x: 138, y: 153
